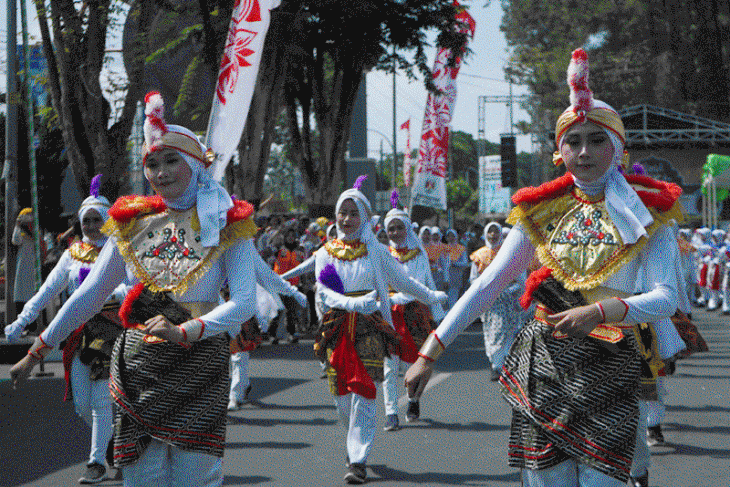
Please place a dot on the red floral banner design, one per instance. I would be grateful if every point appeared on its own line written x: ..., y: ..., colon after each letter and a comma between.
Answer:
x: 407, y: 156
x: 429, y: 187
x: 237, y: 78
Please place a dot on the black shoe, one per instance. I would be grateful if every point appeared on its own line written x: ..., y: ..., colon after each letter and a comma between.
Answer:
x: 642, y: 481
x: 391, y: 423
x: 495, y: 375
x: 356, y: 473
x: 95, y: 473
x: 294, y: 339
x: 654, y: 436
x: 274, y: 341
x: 414, y: 411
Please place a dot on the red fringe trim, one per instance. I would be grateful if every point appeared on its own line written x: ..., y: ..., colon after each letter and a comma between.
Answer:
x: 551, y: 189
x: 240, y: 211
x: 532, y: 283
x: 663, y: 200
x: 126, y: 306
x: 128, y: 207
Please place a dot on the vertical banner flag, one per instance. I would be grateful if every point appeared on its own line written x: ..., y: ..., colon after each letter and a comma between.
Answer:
x: 407, y: 156
x: 429, y: 187
x: 237, y: 78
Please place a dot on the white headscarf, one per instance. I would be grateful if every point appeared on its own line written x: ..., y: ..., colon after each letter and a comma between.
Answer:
x: 98, y: 203
x: 423, y: 230
x: 415, y: 241
x: 376, y: 250
x: 486, y: 234
x: 436, y: 231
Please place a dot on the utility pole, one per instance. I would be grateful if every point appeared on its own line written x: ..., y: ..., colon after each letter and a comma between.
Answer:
x: 393, y: 178
x: 10, y: 173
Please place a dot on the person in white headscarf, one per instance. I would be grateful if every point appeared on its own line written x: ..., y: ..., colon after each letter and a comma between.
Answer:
x: 186, y: 241
x: 591, y: 231
x: 501, y: 322
x: 353, y: 274
x: 412, y: 319
x: 715, y: 269
x: 86, y: 369
x: 701, y: 242
x: 456, y: 261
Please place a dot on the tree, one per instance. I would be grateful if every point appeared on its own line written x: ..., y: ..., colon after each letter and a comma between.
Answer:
x: 76, y: 55
x: 667, y: 53
x: 332, y: 47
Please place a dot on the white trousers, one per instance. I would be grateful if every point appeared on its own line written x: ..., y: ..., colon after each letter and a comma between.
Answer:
x: 656, y: 409
x: 163, y: 465
x: 93, y: 403
x: 392, y: 383
x: 239, y: 376
x: 642, y: 459
x: 359, y: 418
x: 568, y: 474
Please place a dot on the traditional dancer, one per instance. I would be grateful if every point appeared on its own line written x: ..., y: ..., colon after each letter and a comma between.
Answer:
x: 88, y: 349
x: 357, y: 332
x: 714, y: 269
x: 269, y: 286
x: 457, y: 261
x: 436, y: 258
x: 169, y: 378
x: 572, y: 375
x: 413, y: 320
x: 502, y: 321
x: 703, y: 256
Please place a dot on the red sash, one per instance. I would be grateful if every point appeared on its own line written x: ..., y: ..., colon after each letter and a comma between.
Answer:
x: 351, y: 373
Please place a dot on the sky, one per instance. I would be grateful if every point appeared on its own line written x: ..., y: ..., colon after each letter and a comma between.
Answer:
x: 481, y: 74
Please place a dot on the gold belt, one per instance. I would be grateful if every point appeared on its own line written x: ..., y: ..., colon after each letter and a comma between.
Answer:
x: 604, y: 332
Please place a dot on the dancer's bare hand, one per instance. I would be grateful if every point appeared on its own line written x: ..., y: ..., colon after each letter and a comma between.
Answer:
x: 161, y: 327
x: 417, y: 377
x: 21, y: 370
x: 578, y: 321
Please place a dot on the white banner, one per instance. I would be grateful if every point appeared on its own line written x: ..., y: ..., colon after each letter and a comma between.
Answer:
x: 493, y: 198
x: 237, y: 78
x: 429, y: 187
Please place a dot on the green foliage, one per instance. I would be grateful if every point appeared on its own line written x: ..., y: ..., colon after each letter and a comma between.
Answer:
x: 671, y: 54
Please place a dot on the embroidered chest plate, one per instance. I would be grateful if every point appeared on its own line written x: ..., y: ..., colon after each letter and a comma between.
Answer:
x: 166, y: 249
x: 404, y: 255
x: 84, y: 252
x: 574, y: 236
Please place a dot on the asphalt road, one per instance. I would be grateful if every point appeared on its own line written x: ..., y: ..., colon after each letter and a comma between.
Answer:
x: 289, y: 435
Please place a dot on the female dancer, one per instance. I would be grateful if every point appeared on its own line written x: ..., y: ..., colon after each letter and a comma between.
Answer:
x: 413, y: 320
x: 571, y: 377
x: 353, y: 272
x: 501, y: 322
x: 456, y: 263
x: 89, y: 380
x: 169, y: 379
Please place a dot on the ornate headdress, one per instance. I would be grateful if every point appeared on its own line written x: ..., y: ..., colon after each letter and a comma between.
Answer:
x: 94, y: 201
x: 583, y: 107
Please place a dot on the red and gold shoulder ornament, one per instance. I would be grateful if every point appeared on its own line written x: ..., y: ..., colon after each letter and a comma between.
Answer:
x: 405, y: 254
x: 339, y: 249
x: 573, y: 234
x: 83, y: 252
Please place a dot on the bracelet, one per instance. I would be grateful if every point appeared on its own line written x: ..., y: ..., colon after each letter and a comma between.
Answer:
x: 432, y: 348
x: 185, y: 333
x: 600, y: 310
x: 39, y: 349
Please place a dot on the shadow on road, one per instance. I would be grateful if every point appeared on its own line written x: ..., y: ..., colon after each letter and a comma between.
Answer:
x: 392, y: 476
x: 39, y: 432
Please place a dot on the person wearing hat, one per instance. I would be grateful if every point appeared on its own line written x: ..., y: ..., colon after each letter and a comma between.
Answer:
x: 571, y: 377
x: 412, y: 319
x: 353, y: 274
x: 169, y: 380
x: 87, y: 379
x: 501, y: 322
